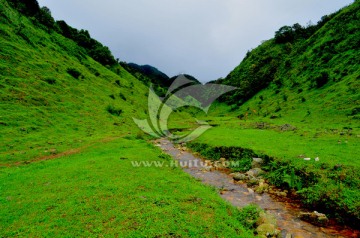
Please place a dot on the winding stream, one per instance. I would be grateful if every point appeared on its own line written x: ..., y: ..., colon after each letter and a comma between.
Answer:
x: 239, y: 195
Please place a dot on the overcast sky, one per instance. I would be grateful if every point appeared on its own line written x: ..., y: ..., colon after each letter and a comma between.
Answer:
x: 204, y: 38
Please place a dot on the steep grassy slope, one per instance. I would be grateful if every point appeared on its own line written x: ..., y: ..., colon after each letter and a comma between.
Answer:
x: 55, y: 97
x: 312, y: 74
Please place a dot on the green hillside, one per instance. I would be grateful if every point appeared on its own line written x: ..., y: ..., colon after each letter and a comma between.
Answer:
x: 68, y: 143
x: 54, y: 96
x: 304, y: 73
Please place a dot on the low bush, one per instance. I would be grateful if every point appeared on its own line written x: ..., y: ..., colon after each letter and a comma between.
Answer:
x: 50, y: 80
x: 114, y: 111
x: 122, y: 96
x: 249, y: 215
x: 321, y: 79
x: 74, y: 72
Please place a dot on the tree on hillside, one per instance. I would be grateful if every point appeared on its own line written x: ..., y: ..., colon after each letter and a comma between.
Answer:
x: 44, y: 17
x: 26, y: 7
x: 284, y: 34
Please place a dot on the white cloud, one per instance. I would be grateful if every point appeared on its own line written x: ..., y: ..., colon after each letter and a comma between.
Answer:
x: 205, y: 38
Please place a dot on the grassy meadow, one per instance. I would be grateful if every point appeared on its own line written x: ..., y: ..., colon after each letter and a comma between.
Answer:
x: 98, y: 192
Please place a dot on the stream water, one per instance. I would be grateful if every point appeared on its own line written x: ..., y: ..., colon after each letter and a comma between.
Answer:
x: 240, y: 195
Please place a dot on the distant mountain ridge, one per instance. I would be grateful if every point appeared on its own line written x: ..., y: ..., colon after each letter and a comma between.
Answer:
x: 150, y: 75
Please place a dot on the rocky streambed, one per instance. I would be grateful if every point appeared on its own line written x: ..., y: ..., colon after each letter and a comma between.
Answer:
x: 282, y: 217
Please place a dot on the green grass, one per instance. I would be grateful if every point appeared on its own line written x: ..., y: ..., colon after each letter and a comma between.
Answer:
x: 331, y: 149
x: 95, y: 193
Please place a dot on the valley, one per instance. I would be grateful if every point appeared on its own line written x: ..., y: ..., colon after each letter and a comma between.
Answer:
x: 73, y: 162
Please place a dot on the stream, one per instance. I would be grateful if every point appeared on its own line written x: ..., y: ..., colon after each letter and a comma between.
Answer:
x: 240, y: 195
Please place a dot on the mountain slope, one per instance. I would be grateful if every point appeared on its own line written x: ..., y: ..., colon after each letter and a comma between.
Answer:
x: 54, y: 96
x: 304, y: 72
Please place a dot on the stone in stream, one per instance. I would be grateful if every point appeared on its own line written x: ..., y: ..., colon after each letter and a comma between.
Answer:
x: 265, y: 217
x: 315, y: 218
x: 267, y: 230
x: 239, y: 176
x: 282, y: 194
x: 262, y: 188
x: 288, y: 235
x: 183, y: 148
x: 208, y: 169
x: 253, y: 181
x: 251, y: 192
x: 267, y: 225
x: 255, y: 172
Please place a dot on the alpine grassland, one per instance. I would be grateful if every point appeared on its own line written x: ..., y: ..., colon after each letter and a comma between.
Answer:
x: 68, y: 139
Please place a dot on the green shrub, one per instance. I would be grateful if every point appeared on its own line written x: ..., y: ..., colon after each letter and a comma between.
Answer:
x: 74, y: 72
x: 249, y: 215
x: 322, y: 79
x: 355, y: 111
x: 122, y: 96
x: 50, y: 80
x: 114, y: 111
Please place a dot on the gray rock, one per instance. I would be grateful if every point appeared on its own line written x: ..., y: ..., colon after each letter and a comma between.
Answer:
x: 265, y: 217
x: 257, y: 163
x: 255, y: 172
x: 253, y: 181
x: 262, y: 188
x: 266, y: 229
x: 239, y: 176
x: 250, y: 173
x: 315, y: 218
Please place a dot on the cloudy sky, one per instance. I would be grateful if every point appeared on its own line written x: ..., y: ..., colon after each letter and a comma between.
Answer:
x: 204, y: 38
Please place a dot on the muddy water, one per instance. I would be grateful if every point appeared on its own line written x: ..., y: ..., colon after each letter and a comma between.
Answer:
x: 239, y: 195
